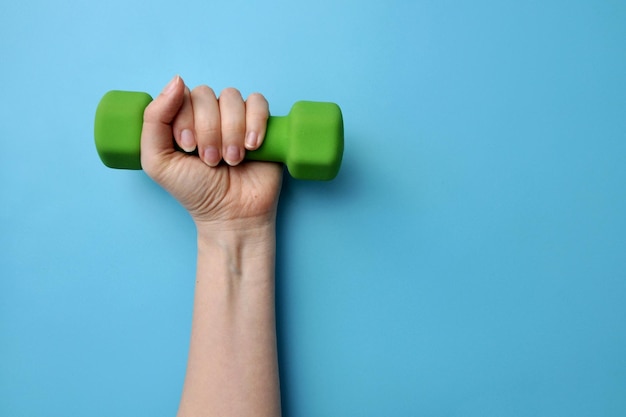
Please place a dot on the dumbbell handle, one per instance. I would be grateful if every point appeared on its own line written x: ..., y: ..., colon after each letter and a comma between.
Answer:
x: 309, y: 140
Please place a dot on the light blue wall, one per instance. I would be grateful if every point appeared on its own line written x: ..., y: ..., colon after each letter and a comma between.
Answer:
x: 469, y: 260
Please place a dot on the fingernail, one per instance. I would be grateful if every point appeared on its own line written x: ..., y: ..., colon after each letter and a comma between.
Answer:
x: 171, y: 85
x: 232, y: 155
x: 211, y: 156
x: 251, y: 140
x: 187, y: 141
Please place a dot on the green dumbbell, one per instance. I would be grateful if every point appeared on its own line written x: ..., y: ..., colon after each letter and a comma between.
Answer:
x: 309, y: 140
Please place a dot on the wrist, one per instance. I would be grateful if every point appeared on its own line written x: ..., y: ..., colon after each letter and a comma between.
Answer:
x: 237, y: 250
x: 237, y: 231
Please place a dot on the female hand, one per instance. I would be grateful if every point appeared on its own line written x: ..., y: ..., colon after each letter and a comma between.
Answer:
x: 218, y: 195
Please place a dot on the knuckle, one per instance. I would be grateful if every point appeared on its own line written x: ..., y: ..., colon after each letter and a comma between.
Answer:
x: 257, y: 97
x: 255, y: 114
x: 205, y: 129
x: 202, y: 90
x: 230, y: 92
x: 232, y: 129
x: 257, y: 107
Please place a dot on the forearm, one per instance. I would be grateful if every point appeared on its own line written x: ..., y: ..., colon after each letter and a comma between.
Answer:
x: 233, y: 367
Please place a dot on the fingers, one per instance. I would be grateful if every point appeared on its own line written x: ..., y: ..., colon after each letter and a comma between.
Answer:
x: 233, y: 120
x: 184, y: 125
x: 221, y: 128
x: 156, y: 134
x: 257, y: 113
x: 207, y: 125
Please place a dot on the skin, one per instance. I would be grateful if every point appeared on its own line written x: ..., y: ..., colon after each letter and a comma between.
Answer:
x: 232, y: 367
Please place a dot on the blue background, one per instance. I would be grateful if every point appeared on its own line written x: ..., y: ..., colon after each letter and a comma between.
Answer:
x: 469, y: 260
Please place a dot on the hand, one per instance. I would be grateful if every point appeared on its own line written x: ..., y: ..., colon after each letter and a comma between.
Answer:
x: 231, y: 195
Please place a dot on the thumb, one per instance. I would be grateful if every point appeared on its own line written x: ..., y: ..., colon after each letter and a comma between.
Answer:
x: 156, y: 134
